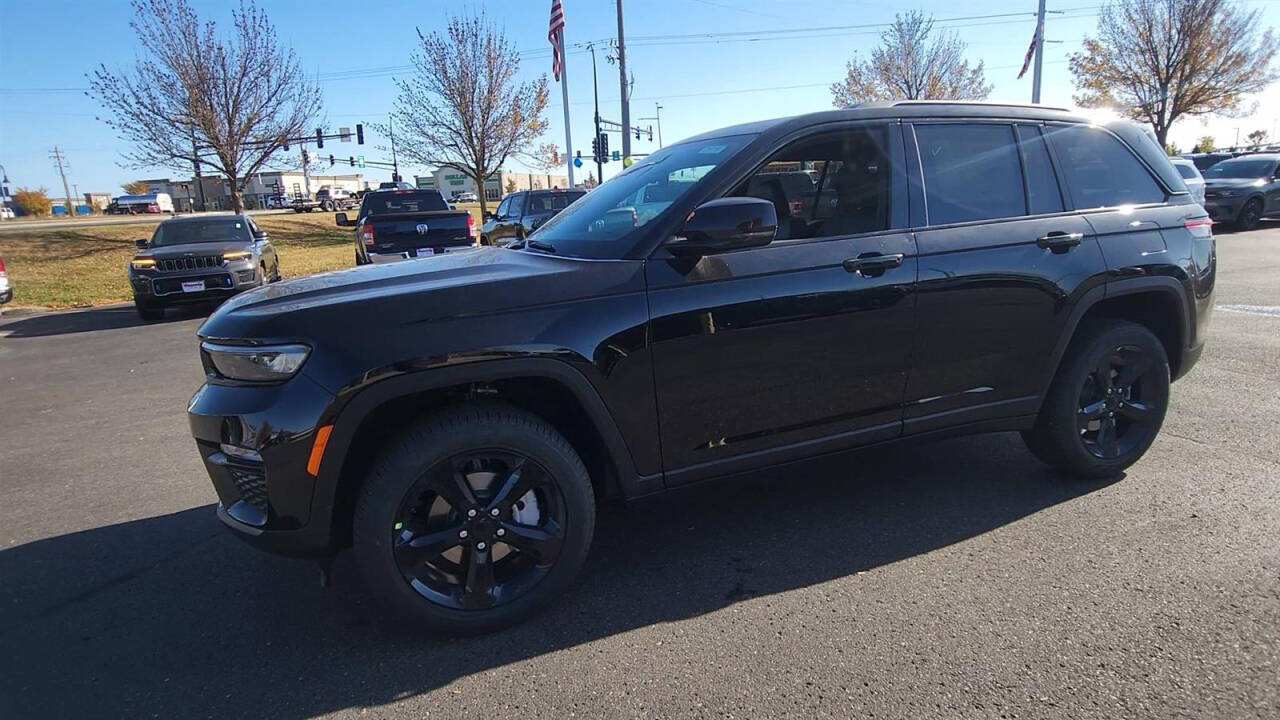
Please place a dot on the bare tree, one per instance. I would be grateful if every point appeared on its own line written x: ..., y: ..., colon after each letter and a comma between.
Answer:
x: 1157, y: 60
x: 194, y: 96
x: 463, y: 107
x: 912, y: 64
x: 546, y: 157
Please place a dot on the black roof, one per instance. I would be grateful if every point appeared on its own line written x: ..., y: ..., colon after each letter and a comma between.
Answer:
x: 193, y: 218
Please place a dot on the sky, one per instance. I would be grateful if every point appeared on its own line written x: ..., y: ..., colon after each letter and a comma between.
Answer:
x: 356, y: 50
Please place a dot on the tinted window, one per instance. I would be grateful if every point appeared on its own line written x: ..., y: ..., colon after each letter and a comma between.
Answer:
x: 1100, y: 171
x: 548, y: 202
x: 402, y: 201
x: 833, y: 184
x: 517, y: 202
x: 971, y: 172
x: 1043, y: 194
x: 1241, y: 169
x: 1186, y: 170
x: 199, y: 231
x: 503, y: 206
x: 595, y: 225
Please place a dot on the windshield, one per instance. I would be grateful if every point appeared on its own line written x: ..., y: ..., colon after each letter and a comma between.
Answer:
x: 594, y: 226
x: 1240, y: 169
x: 542, y: 203
x: 200, y: 231
x: 402, y: 201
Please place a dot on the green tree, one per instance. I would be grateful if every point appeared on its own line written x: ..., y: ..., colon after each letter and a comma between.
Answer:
x: 1158, y: 60
x: 1257, y: 137
x: 912, y: 64
x: 1171, y: 150
x: 33, y: 203
x: 1205, y: 144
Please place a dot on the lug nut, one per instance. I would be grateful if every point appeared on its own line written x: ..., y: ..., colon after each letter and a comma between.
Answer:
x: 494, y: 512
x: 462, y: 534
x: 501, y: 532
x: 471, y: 512
x: 480, y: 546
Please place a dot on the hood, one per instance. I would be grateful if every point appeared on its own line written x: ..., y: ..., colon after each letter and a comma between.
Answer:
x: 471, y: 282
x: 1221, y: 183
x: 195, y: 249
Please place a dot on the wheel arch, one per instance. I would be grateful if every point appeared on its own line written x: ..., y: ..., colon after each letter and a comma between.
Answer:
x: 1155, y: 302
x: 551, y: 389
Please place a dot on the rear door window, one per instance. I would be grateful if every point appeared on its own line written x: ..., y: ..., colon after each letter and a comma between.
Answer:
x: 1043, y: 193
x: 971, y: 172
x: 1100, y: 171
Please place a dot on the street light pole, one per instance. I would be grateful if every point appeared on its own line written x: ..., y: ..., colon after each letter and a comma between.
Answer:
x: 595, y: 92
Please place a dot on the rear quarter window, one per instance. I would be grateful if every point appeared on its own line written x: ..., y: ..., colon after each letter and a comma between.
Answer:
x: 1100, y: 171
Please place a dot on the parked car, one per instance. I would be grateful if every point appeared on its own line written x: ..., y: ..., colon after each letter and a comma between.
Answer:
x: 465, y: 197
x: 151, y: 203
x: 1243, y: 190
x: 200, y: 259
x: 395, y: 225
x: 520, y: 213
x: 6, y: 290
x: 1204, y: 161
x: 1191, y: 176
x: 336, y: 198
x: 6, y: 213
x: 672, y: 327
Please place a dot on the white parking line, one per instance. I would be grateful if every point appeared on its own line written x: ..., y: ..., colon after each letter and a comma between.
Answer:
x: 1264, y: 310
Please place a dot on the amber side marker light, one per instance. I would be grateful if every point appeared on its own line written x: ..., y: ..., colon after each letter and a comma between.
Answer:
x: 317, y: 449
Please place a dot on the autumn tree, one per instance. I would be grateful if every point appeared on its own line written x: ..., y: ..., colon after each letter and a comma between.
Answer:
x: 1158, y: 60
x: 511, y: 185
x: 463, y: 106
x: 1204, y: 145
x: 912, y: 63
x: 135, y: 187
x: 226, y: 101
x: 545, y: 158
x: 33, y: 202
x: 1257, y: 137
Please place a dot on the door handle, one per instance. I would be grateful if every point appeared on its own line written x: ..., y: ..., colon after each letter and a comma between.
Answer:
x: 1059, y: 241
x: 872, y: 265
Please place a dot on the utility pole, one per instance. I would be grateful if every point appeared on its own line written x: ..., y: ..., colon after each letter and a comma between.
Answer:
x: 622, y: 77
x: 595, y: 91
x: 306, y: 175
x: 195, y: 161
x: 66, y: 189
x: 395, y: 167
x: 1035, y: 79
x: 657, y: 115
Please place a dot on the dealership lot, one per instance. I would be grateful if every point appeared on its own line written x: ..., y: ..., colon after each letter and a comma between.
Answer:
x: 949, y: 580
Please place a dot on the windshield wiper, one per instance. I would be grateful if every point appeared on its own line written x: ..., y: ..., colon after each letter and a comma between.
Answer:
x: 539, y: 245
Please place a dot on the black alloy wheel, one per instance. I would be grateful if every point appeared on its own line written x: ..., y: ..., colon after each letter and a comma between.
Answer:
x: 1250, y: 215
x: 1113, y: 417
x: 478, y: 529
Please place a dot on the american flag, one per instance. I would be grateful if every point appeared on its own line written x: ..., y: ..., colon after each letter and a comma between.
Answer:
x: 553, y: 35
x: 1031, y: 51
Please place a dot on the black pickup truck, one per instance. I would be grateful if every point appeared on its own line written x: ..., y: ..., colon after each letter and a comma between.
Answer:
x: 395, y: 225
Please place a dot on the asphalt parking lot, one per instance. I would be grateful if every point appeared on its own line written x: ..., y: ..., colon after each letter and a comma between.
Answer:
x: 958, y: 579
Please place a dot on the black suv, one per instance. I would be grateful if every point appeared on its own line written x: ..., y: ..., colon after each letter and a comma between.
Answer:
x: 950, y: 268
x: 200, y: 259
x: 520, y: 213
x: 1243, y: 190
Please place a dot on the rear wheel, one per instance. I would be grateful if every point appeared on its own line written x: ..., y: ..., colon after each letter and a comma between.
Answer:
x: 150, y: 312
x: 1107, y: 402
x: 1250, y: 215
x: 473, y: 519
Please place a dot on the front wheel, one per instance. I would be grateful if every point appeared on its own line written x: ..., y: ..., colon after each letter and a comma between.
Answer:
x: 1107, y: 402
x: 149, y: 312
x: 473, y: 519
x: 1250, y: 215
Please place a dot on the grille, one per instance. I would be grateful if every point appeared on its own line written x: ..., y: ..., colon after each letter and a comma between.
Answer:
x: 198, y: 262
x: 251, y: 484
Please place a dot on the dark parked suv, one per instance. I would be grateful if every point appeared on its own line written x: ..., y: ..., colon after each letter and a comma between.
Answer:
x: 200, y: 259
x: 970, y: 268
x: 520, y: 213
x: 1243, y: 190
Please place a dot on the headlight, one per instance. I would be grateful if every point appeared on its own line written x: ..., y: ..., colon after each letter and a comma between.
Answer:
x: 265, y: 363
x: 142, y: 263
x: 235, y: 255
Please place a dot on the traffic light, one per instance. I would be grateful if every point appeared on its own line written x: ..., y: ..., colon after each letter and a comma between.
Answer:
x: 604, y: 147
x: 359, y: 133
x: 319, y: 138
x: 330, y: 159
x: 595, y: 148
x: 351, y: 160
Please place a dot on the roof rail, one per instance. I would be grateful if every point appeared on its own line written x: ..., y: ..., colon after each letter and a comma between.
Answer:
x: 978, y: 102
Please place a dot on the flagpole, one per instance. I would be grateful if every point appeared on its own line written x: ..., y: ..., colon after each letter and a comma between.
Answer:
x: 1039, y: 40
x: 564, y: 95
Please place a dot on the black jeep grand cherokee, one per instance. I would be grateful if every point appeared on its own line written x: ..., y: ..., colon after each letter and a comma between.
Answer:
x: 942, y: 268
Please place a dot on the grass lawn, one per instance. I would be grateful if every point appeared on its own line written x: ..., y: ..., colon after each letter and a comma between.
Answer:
x: 79, y: 267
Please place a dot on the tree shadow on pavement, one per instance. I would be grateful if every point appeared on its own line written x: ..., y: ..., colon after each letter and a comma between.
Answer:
x: 171, y: 616
x: 109, y: 317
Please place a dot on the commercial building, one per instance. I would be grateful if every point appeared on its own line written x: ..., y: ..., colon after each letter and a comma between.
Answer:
x: 450, y: 182
x: 258, y: 192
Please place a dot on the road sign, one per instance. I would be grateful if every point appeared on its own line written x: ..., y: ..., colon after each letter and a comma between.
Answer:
x: 577, y: 162
x: 626, y: 161
x: 360, y: 161
x: 617, y: 155
x: 344, y: 134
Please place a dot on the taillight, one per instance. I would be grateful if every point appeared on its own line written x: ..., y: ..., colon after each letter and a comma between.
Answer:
x: 1200, y: 227
x: 1, y: 266
x: 366, y: 234
x: 471, y: 225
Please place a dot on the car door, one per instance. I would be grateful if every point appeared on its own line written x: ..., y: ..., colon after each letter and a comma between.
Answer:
x: 801, y: 346
x: 1002, y: 260
x: 492, y: 228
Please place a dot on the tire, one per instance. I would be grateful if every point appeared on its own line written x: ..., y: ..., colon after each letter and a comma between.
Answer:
x: 484, y: 240
x: 298, y: 210
x: 1071, y: 432
x: 148, y: 311
x: 1250, y: 215
x: 359, y: 262
x: 402, y: 477
x: 276, y: 277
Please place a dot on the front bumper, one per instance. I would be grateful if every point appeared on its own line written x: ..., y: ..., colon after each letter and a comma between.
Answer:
x: 1224, y: 209
x: 270, y: 501
x: 173, y: 288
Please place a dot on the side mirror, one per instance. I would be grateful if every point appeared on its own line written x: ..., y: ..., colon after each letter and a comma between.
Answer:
x: 140, y: 243
x: 260, y: 236
x: 341, y: 220
x: 726, y: 224
x: 488, y: 216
